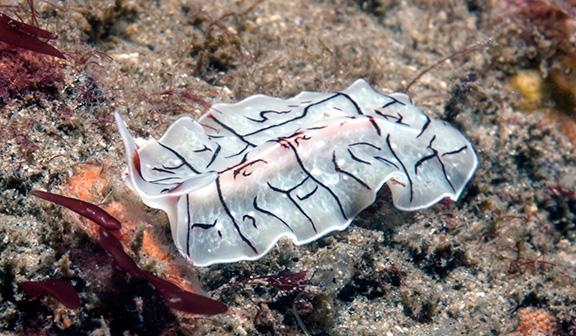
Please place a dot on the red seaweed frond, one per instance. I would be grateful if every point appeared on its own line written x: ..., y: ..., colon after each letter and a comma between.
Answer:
x: 85, y: 209
x: 25, y: 36
x: 22, y: 46
x: 174, y: 296
x: 59, y: 289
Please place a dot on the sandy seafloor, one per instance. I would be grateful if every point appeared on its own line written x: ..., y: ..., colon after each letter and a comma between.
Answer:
x: 474, y: 267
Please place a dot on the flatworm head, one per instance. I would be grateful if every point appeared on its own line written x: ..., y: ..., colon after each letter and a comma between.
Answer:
x: 244, y: 175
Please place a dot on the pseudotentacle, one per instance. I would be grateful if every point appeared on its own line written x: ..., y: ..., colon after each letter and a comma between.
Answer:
x: 244, y: 175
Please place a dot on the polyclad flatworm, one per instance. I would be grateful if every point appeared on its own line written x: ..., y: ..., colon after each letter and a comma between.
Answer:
x: 244, y: 175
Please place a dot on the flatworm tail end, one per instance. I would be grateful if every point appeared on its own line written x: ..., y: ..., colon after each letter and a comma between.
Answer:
x: 133, y: 175
x: 133, y: 168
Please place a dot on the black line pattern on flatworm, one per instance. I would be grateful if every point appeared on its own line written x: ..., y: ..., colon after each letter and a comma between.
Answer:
x: 427, y: 157
x: 164, y: 180
x: 398, y: 117
x: 317, y: 181
x: 170, y: 168
x: 386, y: 161
x: 269, y: 213
x: 455, y: 151
x: 342, y: 171
x: 366, y: 144
x: 239, y: 153
x: 375, y: 125
x: 303, y: 115
x: 394, y: 101
x: 203, y: 226
x: 163, y: 170
x: 205, y: 149
x: 308, y: 194
x: 263, y: 117
x: 242, y: 170
x: 316, y: 128
x: 426, y: 124
x: 227, y: 210
x: 231, y: 130
x: 357, y: 159
x: 434, y: 155
x: 214, y: 155
x: 288, y: 192
x: 252, y: 219
x: 411, y: 187
x: 180, y: 157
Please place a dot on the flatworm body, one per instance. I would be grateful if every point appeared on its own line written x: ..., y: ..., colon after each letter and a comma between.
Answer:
x: 244, y: 175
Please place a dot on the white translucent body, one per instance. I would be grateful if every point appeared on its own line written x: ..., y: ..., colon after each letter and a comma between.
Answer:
x: 247, y: 174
